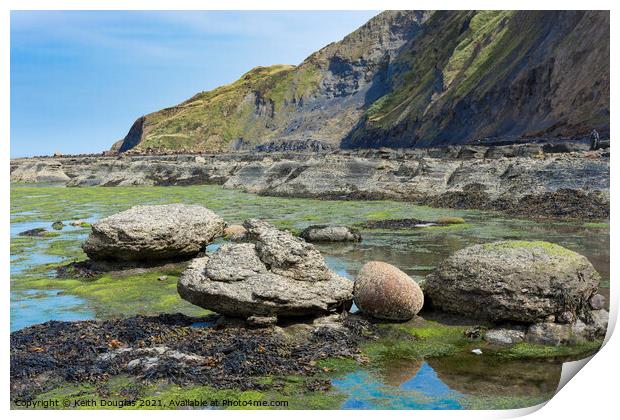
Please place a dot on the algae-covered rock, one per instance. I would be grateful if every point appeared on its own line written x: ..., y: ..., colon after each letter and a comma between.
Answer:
x: 452, y: 220
x: 153, y: 233
x: 325, y: 233
x: 58, y: 225
x: 278, y: 275
x: 513, y: 281
x: 383, y: 291
x: 34, y: 232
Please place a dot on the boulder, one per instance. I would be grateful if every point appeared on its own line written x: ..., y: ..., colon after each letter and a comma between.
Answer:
x: 549, y: 333
x: 235, y: 232
x: 597, y: 301
x: 58, y: 225
x: 276, y: 275
x: 385, y: 292
x: 324, y: 233
x: 513, y: 281
x: 171, y: 231
x: 504, y: 336
x: 33, y: 232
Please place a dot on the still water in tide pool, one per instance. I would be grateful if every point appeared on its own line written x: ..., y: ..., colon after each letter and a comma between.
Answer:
x: 447, y: 383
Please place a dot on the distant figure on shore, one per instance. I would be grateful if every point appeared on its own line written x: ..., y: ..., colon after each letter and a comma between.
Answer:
x: 594, y: 139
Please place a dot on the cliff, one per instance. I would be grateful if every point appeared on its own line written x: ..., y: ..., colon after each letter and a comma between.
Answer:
x: 408, y: 79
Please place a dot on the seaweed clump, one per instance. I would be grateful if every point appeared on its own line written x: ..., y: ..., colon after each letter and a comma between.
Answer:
x: 175, y: 348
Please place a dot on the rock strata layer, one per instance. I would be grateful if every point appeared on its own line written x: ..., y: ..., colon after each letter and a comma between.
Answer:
x: 515, y: 179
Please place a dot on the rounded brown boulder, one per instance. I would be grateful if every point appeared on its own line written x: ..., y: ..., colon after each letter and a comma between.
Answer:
x: 385, y: 292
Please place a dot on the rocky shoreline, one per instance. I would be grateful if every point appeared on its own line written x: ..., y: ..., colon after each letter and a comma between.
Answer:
x: 282, y: 311
x: 555, y: 180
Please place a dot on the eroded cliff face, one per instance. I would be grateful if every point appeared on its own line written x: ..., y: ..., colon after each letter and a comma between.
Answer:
x: 406, y: 79
x: 495, y: 74
x: 317, y: 102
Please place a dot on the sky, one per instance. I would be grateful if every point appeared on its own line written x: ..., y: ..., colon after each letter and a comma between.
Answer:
x: 80, y: 79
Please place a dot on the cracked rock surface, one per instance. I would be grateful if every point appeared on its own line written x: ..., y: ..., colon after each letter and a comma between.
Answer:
x: 276, y: 275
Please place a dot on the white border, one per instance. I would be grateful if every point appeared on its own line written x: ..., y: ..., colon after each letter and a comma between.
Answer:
x: 592, y: 395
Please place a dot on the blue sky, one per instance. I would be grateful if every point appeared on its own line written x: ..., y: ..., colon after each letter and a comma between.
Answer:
x: 80, y: 79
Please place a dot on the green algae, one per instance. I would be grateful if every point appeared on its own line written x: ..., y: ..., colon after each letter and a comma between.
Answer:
x: 117, y: 295
x: 547, y: 247
x: 523, y: 351
x: 59, y: 203
x: 70, y: 248
x: 21, y: 244
x: 122, y: 392
x: 416, y: 340
x: 504, y: 402
x: 596, y: 225
x: 453, y: 226
x: 338, y: 366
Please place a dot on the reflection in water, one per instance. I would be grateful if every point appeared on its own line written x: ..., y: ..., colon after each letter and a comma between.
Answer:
x: 423, y: 391
x: 487, y: 376
x: 453, y: 382
x: 398, y: 372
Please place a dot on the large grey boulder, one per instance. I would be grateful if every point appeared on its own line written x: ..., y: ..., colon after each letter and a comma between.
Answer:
x: 153, y: 233
x: 277, y: 275
x: 325, y: 233
x: 513, y: 281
